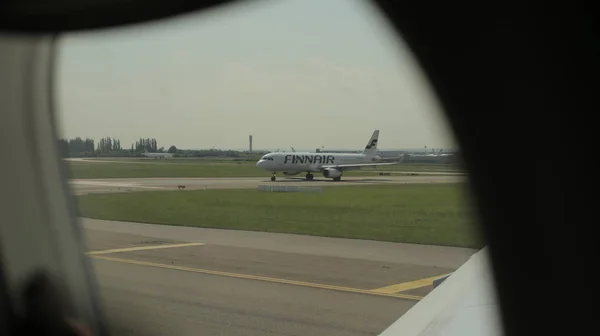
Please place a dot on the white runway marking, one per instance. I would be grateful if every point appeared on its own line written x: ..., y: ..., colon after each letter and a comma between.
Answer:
x: 111, y: 184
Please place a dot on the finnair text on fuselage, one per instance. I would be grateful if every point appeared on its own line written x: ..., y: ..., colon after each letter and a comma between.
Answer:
x: 309, y: 158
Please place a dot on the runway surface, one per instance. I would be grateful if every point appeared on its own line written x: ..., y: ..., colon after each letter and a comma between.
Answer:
x: 170, y: 280
x: 81, y: 187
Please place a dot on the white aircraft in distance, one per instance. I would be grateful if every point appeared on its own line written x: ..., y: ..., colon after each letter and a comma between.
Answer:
x: 331, y: 165
x: 157, y: 155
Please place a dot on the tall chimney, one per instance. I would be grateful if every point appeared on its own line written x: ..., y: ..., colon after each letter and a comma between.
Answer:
x: 250, y: 140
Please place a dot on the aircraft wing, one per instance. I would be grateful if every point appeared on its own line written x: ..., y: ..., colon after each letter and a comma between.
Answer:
x: 463, y: 304
x: 357, y: 165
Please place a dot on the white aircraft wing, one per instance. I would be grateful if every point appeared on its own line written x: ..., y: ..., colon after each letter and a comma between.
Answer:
x: 463, y: 304
x: 356, y: 165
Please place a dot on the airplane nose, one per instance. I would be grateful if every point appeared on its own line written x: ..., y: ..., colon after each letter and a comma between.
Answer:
x: 259, y: 163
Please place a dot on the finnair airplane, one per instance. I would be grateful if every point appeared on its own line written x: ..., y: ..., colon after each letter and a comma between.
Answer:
x: 157, y: 155
x: 331, y: 165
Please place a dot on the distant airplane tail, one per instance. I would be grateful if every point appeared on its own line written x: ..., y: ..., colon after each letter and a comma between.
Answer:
x: 371, y: 147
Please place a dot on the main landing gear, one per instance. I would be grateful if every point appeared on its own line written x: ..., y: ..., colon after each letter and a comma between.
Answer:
x: 309, y: 177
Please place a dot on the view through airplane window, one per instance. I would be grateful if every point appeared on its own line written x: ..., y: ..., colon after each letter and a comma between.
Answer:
x: 272, y: 168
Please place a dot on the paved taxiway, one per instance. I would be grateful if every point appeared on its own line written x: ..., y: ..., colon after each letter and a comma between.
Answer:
x: 230, y: 282
x: 138, y: 184
x: 167, y: 280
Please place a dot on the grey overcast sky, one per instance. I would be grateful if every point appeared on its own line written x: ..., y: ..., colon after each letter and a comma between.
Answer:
x: 303, y: 73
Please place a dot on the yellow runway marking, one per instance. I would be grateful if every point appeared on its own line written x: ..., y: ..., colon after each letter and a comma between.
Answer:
x: 141, y: 248
x: 401, y: 287
x: 262, y: 278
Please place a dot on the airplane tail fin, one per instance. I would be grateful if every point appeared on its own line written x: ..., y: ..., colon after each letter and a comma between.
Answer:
x: 371, y: 147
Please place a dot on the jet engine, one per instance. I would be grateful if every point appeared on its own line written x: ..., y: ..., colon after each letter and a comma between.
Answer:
x: 333, y: 173
x: 290, y: 173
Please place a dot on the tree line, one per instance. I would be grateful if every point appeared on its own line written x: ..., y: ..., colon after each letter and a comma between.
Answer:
x: 109, y: 146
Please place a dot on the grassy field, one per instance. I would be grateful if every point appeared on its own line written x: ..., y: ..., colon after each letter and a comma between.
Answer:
x: 424, y: 214
x: 138, y: 168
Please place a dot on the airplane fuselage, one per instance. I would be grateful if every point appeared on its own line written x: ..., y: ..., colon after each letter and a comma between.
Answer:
x: 309, y: 162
